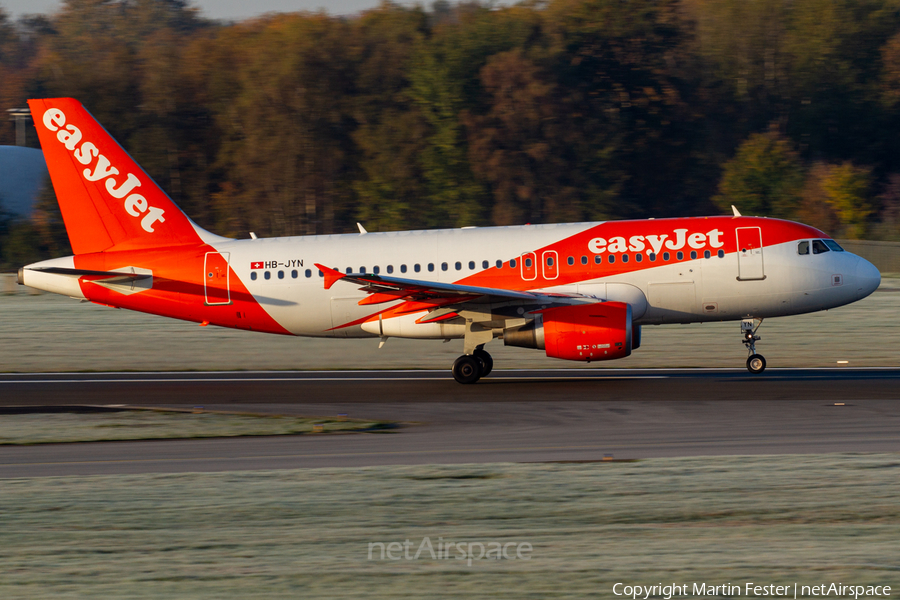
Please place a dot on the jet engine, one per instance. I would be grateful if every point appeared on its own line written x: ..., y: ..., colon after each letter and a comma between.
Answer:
x: 585, y: 332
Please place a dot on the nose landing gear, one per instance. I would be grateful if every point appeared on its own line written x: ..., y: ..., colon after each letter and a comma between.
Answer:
x: 756, y: 363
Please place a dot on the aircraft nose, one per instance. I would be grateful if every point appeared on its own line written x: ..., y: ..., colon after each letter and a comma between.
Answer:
x: 867, y: 277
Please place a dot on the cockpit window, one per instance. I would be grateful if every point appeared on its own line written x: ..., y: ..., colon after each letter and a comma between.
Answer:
x: 819, y: 247
x: 833, y: 245
x: 803, y: 247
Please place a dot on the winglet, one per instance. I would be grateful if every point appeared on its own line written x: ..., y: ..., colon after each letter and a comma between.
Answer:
x: 331, y: 276
x: 736, y: 212
x: 362, y: 230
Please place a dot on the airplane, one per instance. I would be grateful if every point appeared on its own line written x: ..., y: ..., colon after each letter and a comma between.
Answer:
x: 577, y: 291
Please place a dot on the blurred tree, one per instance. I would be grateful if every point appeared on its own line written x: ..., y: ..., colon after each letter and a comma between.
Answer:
x: 525, y: 145
x: 444, y: 82
x: 848, y: 192
x: 472, y: 113
x: 616, y: 66
x: 288, y: 127
x: 48, y: 224
x: 390, y: 132
x: 764, y: 178
x: 814, y: 208
x: 836, y: 199
x: 888, y: 225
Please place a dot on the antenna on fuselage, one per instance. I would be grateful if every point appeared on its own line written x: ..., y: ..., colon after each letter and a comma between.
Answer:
x: 736, y: 212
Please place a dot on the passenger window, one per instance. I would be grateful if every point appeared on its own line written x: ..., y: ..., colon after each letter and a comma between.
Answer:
x: 349, y: 270
x: 390, y: 269
x: 665, y: 256
x: 444, y: 267
x: 680, y: 255
x: 294, y: 274
x: 549, y: 261
x: 512, y: 263
x: 403, y: 268
x: 803, y: 247
x: 819, y: 247
x: 471, y: 265
x: 253, y: 275
x: 458, y: 265
x: 612, y: 258
x: 638, y: 257
x: 280, y: 274
x: 652, y: 257
x: 624, y: 258
x: 321, y: 274
x: 485, y: 264
x: 527, y: 263
x: 376, y: 270
x: 308, y: 273
x: 693, y: 254
x: 268, y: 275
x: 584, y: 260
x: 706, y: 254
x: 362, y: 269
x: 571, y: 260
x: 721, y: 254
x: 431, y: 267
x: 598, y: 259
x: 499, y: 264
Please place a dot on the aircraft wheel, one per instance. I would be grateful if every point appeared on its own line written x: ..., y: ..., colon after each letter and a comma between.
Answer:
x: 487, y: 363
x: 467, y: 369
x: 756, y: 363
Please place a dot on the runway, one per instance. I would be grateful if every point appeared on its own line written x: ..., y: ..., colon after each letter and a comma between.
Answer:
x: 297, y: 388
x: 516, y: 416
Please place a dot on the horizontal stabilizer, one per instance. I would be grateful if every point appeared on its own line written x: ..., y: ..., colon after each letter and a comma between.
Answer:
x: 89, y: 273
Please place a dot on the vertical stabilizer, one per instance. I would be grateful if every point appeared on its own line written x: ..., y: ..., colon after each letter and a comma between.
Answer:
x: 107, y: 200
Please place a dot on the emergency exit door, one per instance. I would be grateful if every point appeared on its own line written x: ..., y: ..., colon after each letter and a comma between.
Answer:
x: 750, y: 253
x: 216, y: 278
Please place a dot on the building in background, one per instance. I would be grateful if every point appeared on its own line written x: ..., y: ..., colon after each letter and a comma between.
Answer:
x: 23, y: 172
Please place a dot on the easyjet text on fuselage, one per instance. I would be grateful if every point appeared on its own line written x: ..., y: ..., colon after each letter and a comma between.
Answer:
x: 654, y: 244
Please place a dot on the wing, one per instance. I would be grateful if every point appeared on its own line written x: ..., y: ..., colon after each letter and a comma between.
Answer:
x: 387, y: 289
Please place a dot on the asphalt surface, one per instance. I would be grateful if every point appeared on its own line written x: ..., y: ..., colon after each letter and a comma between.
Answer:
x: 516, y: 416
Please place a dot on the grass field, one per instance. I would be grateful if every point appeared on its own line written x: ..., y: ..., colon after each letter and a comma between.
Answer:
x: 306, y: 533
x: 44, y: 428
x: 47, y: 332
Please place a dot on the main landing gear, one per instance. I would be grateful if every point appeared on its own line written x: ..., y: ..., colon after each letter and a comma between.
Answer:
x: 469, y: 368
x: 756, y: 363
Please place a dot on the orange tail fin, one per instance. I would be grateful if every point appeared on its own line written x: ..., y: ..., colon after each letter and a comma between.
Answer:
x: 107, y: 200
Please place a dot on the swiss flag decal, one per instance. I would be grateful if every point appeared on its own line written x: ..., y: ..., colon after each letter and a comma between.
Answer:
x: 256, y: 265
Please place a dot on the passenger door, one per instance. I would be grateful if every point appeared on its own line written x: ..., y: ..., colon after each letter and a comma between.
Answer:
x: 750, y: 254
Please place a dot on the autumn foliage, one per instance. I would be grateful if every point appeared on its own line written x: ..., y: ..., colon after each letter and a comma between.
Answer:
x: 467, y: 114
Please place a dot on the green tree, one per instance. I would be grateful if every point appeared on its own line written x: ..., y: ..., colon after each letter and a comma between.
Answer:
x: 390, y: 132
x: 764, y: 178
x: 847, y: 189
x: 444, y: 82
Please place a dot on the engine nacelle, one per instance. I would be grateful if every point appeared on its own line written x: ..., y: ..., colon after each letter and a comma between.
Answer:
x: 585, y: 332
